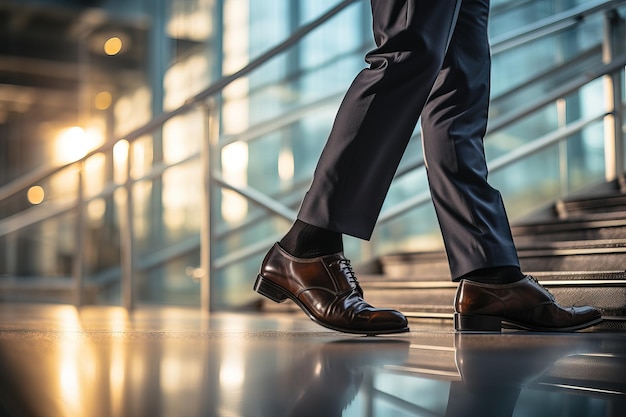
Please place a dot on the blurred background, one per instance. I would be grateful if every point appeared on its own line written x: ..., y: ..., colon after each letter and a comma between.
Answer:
x: 151, y: 151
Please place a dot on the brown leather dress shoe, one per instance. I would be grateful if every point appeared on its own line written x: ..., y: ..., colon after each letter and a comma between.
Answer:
x: 524, y: 304
x: 327, y: 290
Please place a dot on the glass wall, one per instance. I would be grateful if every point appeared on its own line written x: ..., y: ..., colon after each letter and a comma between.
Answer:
x: 141, y: 59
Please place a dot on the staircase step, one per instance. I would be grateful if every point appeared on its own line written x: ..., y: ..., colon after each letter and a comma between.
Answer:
x: 420, y: 266
x: 582, y: 206
x: 592, y: 227
x: 596, y: 255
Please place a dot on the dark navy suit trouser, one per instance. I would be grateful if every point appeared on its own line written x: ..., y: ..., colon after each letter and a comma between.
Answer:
x: 432, y: 60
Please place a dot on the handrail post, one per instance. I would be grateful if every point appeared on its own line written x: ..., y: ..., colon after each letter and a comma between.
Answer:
x: 127, y: 238
x: 78, y: 270
x: 613, y: 131
x: 561, y: 112
x: 208, y: 155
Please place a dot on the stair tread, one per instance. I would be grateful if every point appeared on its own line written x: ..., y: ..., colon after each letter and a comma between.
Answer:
x: 574, y: 244
x: 601, y: 220
x: 445, y: 282
x: 597, y: 201
x: 525, y: 249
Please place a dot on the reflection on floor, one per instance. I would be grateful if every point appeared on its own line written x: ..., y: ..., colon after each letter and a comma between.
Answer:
x: 99, y: 361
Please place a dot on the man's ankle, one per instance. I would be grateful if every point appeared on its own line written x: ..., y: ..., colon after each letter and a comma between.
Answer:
x: 305, y: 240
x: 496, y: 275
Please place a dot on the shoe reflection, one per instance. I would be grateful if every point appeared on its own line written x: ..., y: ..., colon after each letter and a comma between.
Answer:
x: 325, y: 380
x: 494, y: 369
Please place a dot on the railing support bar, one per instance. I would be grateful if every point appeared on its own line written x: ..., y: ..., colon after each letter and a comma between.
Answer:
x: 78, y: 270
x: 614, y: 32
x: 127, y: 246
x: 208, y: 159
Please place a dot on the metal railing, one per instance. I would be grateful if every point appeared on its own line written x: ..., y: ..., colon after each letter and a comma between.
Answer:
x: 208, y: 100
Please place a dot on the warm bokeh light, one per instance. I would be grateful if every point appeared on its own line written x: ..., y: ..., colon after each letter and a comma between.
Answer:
x: 69, y: 145
x: 120, y: 159
x: 235, y: 160
x: 234, y: 170
x: 35, y: 194
x: 103, y: 100
x: 113, y: 46
x: 75, y: 142
x: 285, y: 165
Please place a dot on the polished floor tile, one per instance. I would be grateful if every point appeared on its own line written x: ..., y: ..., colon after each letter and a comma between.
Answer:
x: 100, y: 361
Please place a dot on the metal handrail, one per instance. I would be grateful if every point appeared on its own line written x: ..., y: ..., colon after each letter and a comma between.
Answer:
x: 551, y: 24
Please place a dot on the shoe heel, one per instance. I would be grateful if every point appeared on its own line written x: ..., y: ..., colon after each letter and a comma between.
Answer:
x: 463, y: 323
x: 269, y: 289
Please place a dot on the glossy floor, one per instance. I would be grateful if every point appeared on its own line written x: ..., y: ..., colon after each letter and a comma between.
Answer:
x: 99, y: 361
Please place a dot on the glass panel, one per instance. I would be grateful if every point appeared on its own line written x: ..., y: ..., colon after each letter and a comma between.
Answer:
x: 96, y: 173
x: 171, y: 282
x: 183, y: 136
x: 547, y: 62
x: 46, y: 249
x: 529, y: 183
x: 142, y: 156
x: 147, y: 230
x: 102, y: 250
x: 181, y: 199
x: 585, y: 157
x: 521, y: 132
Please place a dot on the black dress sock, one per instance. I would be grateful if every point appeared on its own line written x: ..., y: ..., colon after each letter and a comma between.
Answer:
x: 496, y: 275
x: 304, y: 240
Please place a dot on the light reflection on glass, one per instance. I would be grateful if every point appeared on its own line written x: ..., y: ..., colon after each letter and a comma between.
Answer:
x: 236, y: 108
x: 120, y: 159
x: 181, y: 198
x: 95, y: 212
x: 132, y: 110
x: 75, y: 142
x: 141, y: 157
x: 285, y: 165
x: 141, y: 194
x: 234, y: 170
x: 190, y: 20
x: 94, y: 173
x: 70, y: 144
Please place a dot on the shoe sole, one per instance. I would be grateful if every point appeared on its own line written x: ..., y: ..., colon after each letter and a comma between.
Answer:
x: 468, y: 323
x: 278, y: 294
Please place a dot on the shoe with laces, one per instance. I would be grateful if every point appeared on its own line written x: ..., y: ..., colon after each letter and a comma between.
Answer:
x: 327, y: 290
x: 524, y: 305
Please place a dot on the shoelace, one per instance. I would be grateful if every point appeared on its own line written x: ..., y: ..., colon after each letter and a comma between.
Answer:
x: 346, y: 268
x: 536, y: 281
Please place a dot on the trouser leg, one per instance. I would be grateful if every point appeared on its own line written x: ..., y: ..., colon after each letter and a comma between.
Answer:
x: 378, y: 114
x: 471, y: 214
